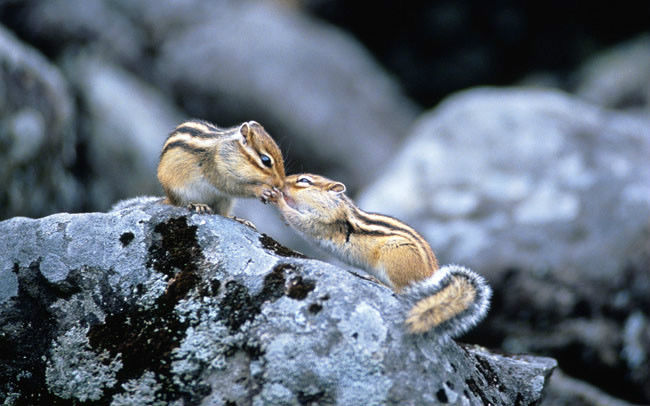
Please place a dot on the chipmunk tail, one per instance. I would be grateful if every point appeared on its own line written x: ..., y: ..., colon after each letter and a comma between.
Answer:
x: 449, y: 303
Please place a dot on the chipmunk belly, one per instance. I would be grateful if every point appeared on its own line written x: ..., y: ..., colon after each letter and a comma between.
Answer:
x: 351, y: 254
x: 200, y: 191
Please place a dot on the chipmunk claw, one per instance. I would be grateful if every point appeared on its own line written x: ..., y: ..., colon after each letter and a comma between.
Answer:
x: 244, y: 222
x: 269, y: 195
x: 200, y: 208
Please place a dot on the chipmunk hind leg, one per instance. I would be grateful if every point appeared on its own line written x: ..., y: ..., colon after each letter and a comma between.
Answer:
x: 403, y: 264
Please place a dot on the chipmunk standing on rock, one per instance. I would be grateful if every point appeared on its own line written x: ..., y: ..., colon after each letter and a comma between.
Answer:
x: 447, y: 301
x: 203, y: 167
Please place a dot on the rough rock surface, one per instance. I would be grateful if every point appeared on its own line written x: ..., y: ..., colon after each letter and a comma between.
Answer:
x: 36, y: 133
x: 153, y: 305
x: 548, y: 197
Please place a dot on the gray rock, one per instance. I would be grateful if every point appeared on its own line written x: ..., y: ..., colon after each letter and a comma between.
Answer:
x: 563, y: 390
x: 101, y: 25
x: 36, y: 133
x: 618, y: 78
x: 549, y: 197
x: 154, y: 305
x: 498, y: 178
x: 126, y: 122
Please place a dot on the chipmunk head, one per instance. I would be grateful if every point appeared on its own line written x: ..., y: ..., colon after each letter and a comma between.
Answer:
x: 313, y: 197
x: 261, y: 165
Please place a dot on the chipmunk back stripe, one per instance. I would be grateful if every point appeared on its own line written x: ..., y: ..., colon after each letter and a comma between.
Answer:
x: 379, y: 227
x: 363, y: 229
x: 184, y: 146
x: 379, y: 224
x: 201, y: 129
x: 349, y: 228
x: 202, y: 126
x: 194, y: 132
x: 390, y: 224
x: 209, y: 126
x: 197, y: 142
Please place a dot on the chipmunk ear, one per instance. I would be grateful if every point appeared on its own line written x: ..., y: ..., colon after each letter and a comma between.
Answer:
x: 336, y: 187
x: 245, y: 131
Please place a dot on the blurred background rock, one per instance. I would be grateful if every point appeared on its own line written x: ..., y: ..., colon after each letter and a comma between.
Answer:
x: 542, y: 183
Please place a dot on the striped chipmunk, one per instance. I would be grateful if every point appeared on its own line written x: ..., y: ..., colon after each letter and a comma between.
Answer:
x: 203, y: 167
x: 446, y: 302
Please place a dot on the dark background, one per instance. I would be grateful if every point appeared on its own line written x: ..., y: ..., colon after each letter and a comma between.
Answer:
x: 437, y: 47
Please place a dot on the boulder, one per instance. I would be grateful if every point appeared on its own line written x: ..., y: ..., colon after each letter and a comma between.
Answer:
x: 563, y: 390
x: 37, y: 136
x: 618, y: 78
x: 549, y: 197
x: 521, y: 178
x: 151, y: 304
x: 124, y: 123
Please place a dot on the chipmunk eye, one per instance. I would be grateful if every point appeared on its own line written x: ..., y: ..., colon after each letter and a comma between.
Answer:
x: 266, y: 160
x: 305, y: 181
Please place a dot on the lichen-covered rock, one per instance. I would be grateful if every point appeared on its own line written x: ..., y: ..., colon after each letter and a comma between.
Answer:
x: 153, y: 305
x: 37, y: 142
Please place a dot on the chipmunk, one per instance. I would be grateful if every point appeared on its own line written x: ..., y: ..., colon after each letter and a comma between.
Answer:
x: 447, y: 301
x: 203, y: 167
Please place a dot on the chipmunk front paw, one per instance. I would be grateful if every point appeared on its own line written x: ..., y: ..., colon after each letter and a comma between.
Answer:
x: 270, y: 195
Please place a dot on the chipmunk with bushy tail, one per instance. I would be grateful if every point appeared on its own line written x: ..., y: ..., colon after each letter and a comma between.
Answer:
x: 447, y: 301
x: 203, y: 166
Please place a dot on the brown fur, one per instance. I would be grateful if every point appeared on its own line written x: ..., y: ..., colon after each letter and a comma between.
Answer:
x: 202, y: 164
x: 378, y: 243
x: 452, y: 300
x: 447, y: 301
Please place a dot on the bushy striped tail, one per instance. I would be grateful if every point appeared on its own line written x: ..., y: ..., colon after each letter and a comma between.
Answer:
x: 449, y: 303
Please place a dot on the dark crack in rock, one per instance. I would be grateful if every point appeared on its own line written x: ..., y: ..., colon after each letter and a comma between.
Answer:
x: 272, y: 245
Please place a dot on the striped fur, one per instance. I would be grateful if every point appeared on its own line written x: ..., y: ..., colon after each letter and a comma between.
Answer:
x: 446, y: 302
x: 382, y: 245
x: 379, y: 224
x: 202, y: 164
